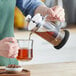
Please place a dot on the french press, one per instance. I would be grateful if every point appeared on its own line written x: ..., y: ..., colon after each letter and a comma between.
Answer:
x: 48, y: 30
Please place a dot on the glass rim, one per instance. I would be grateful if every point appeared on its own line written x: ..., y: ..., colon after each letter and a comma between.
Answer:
x: 19, y: 41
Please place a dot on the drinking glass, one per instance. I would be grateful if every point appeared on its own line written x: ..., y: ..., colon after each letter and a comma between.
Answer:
x: 25, y: 52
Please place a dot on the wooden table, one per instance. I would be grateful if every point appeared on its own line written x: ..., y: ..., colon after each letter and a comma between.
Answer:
x: 56, y: 69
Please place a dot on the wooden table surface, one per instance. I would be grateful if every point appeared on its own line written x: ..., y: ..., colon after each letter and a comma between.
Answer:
x: 50, y: 69
x: 58, y: 69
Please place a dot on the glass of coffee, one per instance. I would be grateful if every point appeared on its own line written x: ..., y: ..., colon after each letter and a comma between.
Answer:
x: 25, y: 52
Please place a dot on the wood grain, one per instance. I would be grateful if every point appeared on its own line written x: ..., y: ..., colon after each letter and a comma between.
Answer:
x: 58, y: 69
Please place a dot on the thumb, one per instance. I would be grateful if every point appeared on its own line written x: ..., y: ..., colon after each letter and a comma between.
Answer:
x: 51, y: 12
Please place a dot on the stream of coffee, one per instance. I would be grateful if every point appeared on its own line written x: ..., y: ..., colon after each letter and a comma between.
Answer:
x: 30, y: 35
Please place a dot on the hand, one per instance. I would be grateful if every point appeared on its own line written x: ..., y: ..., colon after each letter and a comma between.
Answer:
x: 56, y: 13
x: 9, y: 47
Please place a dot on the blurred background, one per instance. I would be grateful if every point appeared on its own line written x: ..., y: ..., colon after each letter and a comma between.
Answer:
x: 68, y: 5
x: 43, y: 52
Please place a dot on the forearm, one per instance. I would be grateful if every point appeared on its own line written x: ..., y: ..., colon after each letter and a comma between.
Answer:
x: 42, y: 9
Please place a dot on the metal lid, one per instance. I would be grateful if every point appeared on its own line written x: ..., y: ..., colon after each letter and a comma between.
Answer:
x: 34, y: 24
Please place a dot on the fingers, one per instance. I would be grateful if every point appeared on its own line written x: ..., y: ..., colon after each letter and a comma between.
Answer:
x: 12, y: 49
x: 61, y: 18
x: 49, y: 18
x: 60, y: 13
x: 13, y: 53
x: 56, y: 13
x: 10, y: 39
x: 9, y: 47
x: 13, y: 56
x: 57, y: 9
x: 51, y: 12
